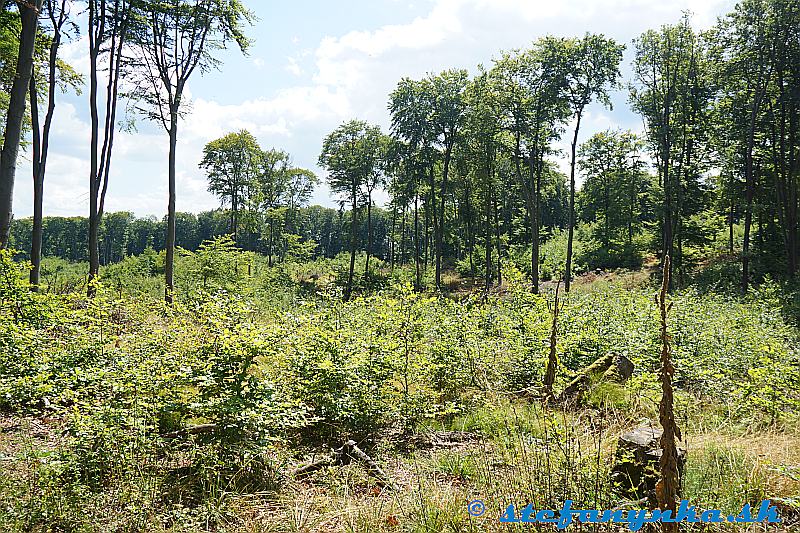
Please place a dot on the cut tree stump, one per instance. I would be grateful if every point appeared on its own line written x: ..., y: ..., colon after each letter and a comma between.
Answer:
x: 635, y: 470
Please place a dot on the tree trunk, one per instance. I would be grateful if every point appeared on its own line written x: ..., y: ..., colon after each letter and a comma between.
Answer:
x: 94, y: 247
x: 497, y: 241
x: 40, y: 154
x: 100, y: 160
x: 38, y: 182
x: 748, y: 217
x: 793, y: 177
x: 353, y: 222
x: 750, y: 185
x: 470, y: 235
x: 631, y: 203
x: 535, y: 222
x: 730, y: 224
x: 369, y: 233
x: 528, y: 193
x: 235, y: 216
x: 403, y: 245
x: 392, y: 239
x: 416, y: 242
x: 606, y: 207
x: 441, y: 220
x: 571, y: 221
x: 438, y: 221
x: 430, y: 218
x: 169, y: 288
x: 667, y: 235
x: 488, y: 239
x: 94, y: 165
x: 29, y: 16
x: 271, y: 241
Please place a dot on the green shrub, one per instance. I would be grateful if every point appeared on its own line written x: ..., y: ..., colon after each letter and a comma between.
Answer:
x: 216, y: 265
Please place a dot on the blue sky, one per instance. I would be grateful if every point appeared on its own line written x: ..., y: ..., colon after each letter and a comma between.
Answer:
x: 315, y: 64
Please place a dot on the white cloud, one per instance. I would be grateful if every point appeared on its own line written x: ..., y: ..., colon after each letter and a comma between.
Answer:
x: 293, y: 67
x: 274, y: 116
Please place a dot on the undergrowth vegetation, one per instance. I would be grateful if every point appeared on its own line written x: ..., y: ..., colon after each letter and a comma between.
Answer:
x: 123, y: 413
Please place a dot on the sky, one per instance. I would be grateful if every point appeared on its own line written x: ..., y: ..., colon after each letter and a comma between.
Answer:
x: 315, y: 64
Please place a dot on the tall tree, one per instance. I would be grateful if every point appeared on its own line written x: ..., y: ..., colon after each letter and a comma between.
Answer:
x: 300, y: 185
x: 109, y: 26
x: 481, y: 131
x: 405, y: 167
x: 231, y: 164
x: 177, y: 38
x: 410, y: 106
x: 591, y: 68
x: 596, y: 158
x: 446, y: 92
x: 10, y: 26
x: 783, y: 107
x: 29, y: 16
x: 429, y: 114
x: 272, y: 182
x: 350, y: 154
x: 670, y: 92
x: 375, y: 148
x: 58, y: 14
x: 614, y: 187
x: 531, y: 89
x: 745, y: 74
x: 280, y: 190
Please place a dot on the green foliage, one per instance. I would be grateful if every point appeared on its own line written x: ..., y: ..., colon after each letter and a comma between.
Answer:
x: 17, y: 304
x: 298, y: 250
x: 134, y: 273
x: 614, y: 198
x: 216, y: 265
x: 554, y: 254
x: 130, y: 380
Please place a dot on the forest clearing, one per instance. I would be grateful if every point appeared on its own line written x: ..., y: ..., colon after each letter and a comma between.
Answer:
x: 491, y: 302
x: 440, y: 390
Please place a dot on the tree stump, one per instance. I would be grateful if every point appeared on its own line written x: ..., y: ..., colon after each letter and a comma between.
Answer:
x: 620, y: 370
x: 635, y: 471
x: 611, y: 367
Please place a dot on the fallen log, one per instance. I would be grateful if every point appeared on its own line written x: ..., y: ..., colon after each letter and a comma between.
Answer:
x: 342, y: 456
x: 443, y: 439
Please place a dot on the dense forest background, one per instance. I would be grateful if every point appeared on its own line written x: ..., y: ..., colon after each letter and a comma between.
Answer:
x: 470, y: 167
